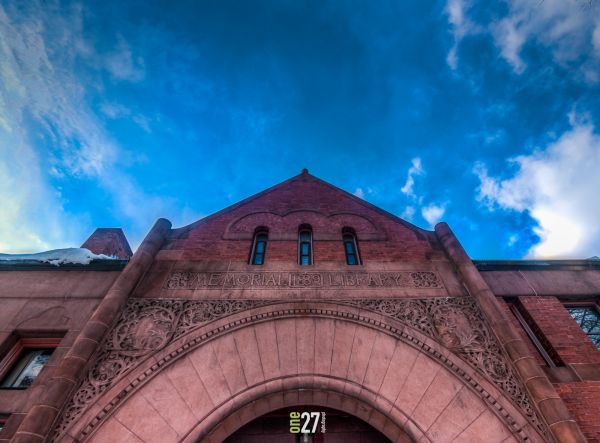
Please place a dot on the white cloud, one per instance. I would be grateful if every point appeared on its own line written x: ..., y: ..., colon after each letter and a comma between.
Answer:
x: 414, y: 170
x: 433, y: 214
x: 408, y: 213
x: 359, y: 193
x: 460, y: 26
x: 558, y: 186
x: 570, y: 30
x: 40, y: 51
x: 566, y: 28
x: 115, y: 110
x: 142, y: 122
x: 122, y: 64
x: 510, y: 39
x: 31, y: 218
x: 596, y: 39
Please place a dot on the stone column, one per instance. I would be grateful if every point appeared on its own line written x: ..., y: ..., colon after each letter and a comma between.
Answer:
x: 37, y: 423
x: 547, y: 400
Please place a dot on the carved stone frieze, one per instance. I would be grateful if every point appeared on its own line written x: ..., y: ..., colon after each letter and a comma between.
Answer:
x: 148, y: 325
x: 145, y: 326
x: 458, y: 324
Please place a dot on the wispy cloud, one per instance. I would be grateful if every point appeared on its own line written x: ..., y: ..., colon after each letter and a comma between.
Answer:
x: 359, y: 193
x: 116, y: 111
x: 510, y: 38
x: 460, y: 25
x: 31, y: 218
x: 408, y: 213
x: 123, y: 65
x: 568, y: 30
x: 433, y: 214
x: 415, y: 170
x: 40, y: 92
x: 557, y: 186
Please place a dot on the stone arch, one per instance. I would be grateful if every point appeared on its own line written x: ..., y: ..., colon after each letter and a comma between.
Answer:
x: 294, y: 391
x: 340, y: 426
x: 212, y: 373
x: 279, y: 224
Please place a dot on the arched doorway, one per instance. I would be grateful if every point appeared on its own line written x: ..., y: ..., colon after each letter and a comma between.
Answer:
x: 322, y: 393
x: 332, y: 426
x: 212, y: 381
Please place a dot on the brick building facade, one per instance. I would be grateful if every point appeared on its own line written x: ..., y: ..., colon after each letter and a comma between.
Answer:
x: 300, y: 298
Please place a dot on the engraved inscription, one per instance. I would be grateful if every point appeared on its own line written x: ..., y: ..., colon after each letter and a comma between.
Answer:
x: 278, y: 280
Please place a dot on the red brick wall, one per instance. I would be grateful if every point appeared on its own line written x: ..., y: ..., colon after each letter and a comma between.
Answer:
x: 583, y: 401
x: 109, y: 241
x: 392, y: 240
x: 521, y: 331
x: 563, y: 333
x: 573, y: 346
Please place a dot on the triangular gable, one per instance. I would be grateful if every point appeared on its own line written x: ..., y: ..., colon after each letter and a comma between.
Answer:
x: 303, y: 183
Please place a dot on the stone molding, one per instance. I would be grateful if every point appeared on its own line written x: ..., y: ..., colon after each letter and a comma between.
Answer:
x: 217, y: 426
x: 242, y: 228
x: 147, y: 326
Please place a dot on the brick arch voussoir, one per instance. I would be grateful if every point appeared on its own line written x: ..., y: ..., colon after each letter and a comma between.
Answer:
x: 243, y: 227
x: 127, y: 386
x: 269, y: 396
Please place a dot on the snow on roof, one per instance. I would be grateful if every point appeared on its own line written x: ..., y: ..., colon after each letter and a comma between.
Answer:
x: 58, y: 257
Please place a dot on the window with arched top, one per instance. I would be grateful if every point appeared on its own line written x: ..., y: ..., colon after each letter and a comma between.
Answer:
x: 259, y: 247
x: 305, y: 257
x: 350, y: 247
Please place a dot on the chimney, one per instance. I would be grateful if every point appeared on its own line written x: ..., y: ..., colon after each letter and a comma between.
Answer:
x: 109, y: 241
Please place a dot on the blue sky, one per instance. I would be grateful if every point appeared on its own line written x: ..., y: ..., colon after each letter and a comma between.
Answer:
x: 480, y: 114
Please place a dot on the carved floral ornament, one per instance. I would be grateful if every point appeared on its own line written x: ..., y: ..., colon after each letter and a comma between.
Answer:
x: 149, y: 325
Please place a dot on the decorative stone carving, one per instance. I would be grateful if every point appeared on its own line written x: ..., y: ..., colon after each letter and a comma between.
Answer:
x: 458, y: 324
x: 148, y: 325
x: 196, y: 313
x: 145, y: 326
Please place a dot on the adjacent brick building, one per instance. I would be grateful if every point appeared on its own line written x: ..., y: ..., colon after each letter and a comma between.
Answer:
x: 302, y: 298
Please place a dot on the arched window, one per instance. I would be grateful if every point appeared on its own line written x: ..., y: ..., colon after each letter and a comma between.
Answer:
x: 259, y: 246
x: 350, y: 246
x: 305, y: 245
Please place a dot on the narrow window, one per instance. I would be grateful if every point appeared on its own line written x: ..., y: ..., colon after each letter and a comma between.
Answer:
x: 25, y: 360
x: 259, y: 246
x: 543, y: 346
x: 350, y: 247
x: 305, y: 245
x: 588, y: 319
